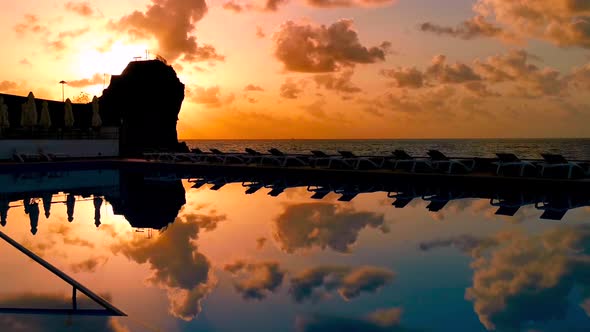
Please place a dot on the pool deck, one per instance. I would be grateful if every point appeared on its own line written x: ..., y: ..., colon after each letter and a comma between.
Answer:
x: 475, y: 180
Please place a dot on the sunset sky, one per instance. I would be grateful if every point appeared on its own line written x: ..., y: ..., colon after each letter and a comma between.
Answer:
x: 322, y: 68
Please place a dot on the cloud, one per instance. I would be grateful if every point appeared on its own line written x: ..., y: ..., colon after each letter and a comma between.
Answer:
x: 382, y: 320
x: 290, y: 89
x: 258, y: 278
x: 176, y: 263
x: 80, y: 8
x: 315, y: 283
x: 340, y: 83
x: 565, y: 23
x: 323, y: 225
x: 405, y: 77
x: 96, y: 79
x: 303, y: 47
x: 524, y: 280
x: 8, y: 86
x: 31, y: 24
x: 209, y: 97
x: 261, y: 6
x: 316, y: 108
x: 252, y: 87
x: 171, y: 23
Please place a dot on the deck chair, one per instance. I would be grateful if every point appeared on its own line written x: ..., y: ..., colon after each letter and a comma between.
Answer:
x: 510, y: 159
x: 318, y: 156
x: 283, y: 159
x: 401, y: 200
x: 438, y: 159
x: 558, y: 161
x: 355, y: 160
x: 401, y: 157
x: 555, y: 208
x: 253, y: 155
x: 224, y: 158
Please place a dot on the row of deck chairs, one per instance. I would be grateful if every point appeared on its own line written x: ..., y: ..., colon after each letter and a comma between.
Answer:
x: 504, y: 164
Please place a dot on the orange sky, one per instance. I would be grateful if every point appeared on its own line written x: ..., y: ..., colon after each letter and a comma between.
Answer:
x: 322, y: 68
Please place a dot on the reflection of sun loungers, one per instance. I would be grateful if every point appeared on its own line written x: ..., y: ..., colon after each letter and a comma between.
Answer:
x: 438, y: 201
x: 278, y: 187
x: 509, y: 205
x: 319, y: 191
x: 349, y: 192
x: 555, y: 208
x: 252, y: 187
x: 506, y: 160
x: 557, y: 161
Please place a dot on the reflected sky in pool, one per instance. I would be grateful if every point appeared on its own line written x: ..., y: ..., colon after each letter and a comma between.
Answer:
x: 236, y: 262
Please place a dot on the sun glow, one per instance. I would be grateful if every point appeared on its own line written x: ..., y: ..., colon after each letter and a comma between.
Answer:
x: 111, y: 62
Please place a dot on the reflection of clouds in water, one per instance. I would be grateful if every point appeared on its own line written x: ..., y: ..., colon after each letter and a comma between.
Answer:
x: 520, y: 279
x: 315, y: 283
x: 89, y: 265
x: 257, y: 278
x: 176, y: 263
x: 28, y: 323
x: 323, y: 225
x: 260, y: 242
x: 383, y: 320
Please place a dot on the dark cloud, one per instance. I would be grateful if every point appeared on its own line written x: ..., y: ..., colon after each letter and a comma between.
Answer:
x: 273, y: 5
x: 303, y: 47
x: 266, y: 6
x: 80, y: 8
x: 315, y: 283
x: 383, y: 320
x: 256, y: 279
x: 96, y: 79
x: 290, y: 89
x: 322, y: 225
x: 176, y: 263
x: 349, y: 3
x: 204, y: 53
x: 405, y: 77
x: 473, y: 28
x: 340, y: 82
x: 252, y: 87
x: 172, y: 24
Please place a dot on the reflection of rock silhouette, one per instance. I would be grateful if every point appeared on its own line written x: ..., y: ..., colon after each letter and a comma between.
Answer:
x: 146, y: 203
x: 70, y: 203
x: 3, y: 211
x: 97, y: 204
x: 47, y: 203
x: 34, y: 216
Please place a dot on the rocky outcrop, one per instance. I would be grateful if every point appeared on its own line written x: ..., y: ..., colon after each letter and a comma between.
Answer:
x: 146, y: 99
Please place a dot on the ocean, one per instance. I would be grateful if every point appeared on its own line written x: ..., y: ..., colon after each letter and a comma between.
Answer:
x: 574, y: 149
